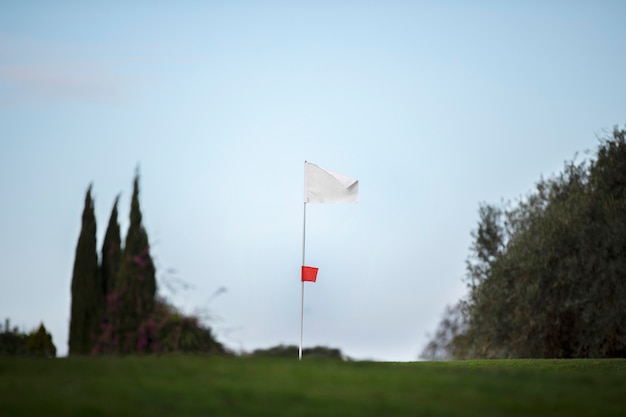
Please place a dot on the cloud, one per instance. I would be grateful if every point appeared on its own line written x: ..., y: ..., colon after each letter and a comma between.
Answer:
x: 65, y: 81
x: 40, y: 71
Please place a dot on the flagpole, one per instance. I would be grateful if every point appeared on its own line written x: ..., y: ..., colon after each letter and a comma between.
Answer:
x: 302, y: 283
x: 321, y: 186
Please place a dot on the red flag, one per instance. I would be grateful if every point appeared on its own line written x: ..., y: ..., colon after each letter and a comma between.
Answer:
x: 309, y: 273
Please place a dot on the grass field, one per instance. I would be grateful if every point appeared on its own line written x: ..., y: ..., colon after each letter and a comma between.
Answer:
x: 217, y: 386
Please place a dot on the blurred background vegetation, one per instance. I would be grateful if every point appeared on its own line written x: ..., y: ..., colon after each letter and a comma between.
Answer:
x: 547, y: 274
x: 546, y: 278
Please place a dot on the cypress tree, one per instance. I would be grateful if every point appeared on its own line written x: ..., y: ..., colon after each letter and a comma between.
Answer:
x: 86, y: 286
x: 111, y: 252
x: 109, y: 270
x: 136, y: 283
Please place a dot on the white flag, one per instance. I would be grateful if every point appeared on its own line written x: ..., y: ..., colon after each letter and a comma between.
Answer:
x: 323, y: 186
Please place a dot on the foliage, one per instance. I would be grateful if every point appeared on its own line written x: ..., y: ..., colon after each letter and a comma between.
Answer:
x: 86, y: 286
x: 168, y: 331
x: 15, y: 343
x: 40, y: 343
x: 453, y: 326
x: 179, y: 385
x: 12, y: 341
x: 131, y: 319
x: 292, y: 351
x: 547, y: 276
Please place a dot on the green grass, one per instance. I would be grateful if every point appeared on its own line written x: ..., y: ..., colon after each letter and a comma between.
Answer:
x: 217, y: 386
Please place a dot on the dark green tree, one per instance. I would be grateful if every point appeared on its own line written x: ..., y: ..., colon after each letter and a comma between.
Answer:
x: 132, y: 319
x: 291, y: 351
x: 135, y: 287
x: 452, y: 339
x: 604, y: 318
x: 86, y: 286
x: 12, y: 341
x: 111, y: 252
x: 554, y: 283
x: 40, y: 343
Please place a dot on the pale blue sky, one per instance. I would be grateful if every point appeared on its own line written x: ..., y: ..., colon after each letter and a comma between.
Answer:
x: 433, y: 106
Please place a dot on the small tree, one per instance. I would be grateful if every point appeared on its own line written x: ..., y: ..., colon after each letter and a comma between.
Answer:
x: 40, y: 343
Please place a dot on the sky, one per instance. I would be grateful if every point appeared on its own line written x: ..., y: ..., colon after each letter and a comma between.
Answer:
x: 435, y: 107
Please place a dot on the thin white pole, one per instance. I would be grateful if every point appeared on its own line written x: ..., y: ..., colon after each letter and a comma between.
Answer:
x: 302, y: 296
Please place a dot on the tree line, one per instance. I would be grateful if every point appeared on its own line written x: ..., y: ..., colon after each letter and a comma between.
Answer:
x: 546, y: 274
x: 14, y: 342
x: 114, y: 307
x: 291, y: 351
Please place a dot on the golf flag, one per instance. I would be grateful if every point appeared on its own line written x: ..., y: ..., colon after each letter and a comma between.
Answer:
x: 324, y: 186
x: 309, y: 273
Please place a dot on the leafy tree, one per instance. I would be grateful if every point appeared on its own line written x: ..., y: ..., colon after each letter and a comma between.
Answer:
x: 605, y: 313
x: 489, y: 243
x: 548, y: 275
x: 169, y: 331
x: 86, y: 286
x: 447, y: 342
